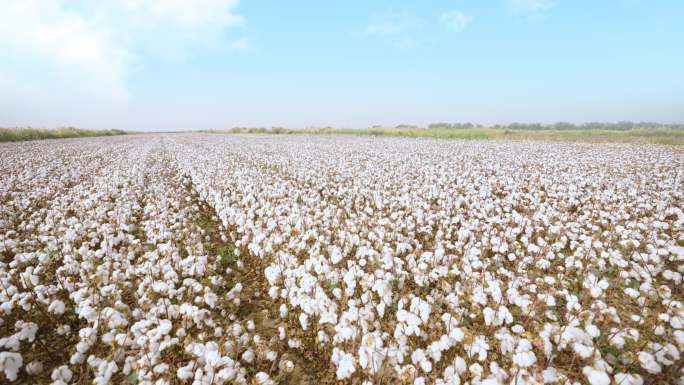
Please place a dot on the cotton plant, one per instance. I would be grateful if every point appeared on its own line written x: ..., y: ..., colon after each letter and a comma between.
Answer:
x: 352, y: 258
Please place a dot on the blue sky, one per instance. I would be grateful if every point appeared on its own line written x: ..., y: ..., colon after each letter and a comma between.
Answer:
x: 173, y: 64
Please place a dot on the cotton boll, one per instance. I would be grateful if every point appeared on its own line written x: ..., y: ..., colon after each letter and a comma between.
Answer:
x: 304, y: 321
x: 185, y: 372
x: 524, y: 356
x: 344, y: 362
x: 371, y: 352
x: 596, y: 376
x: 263, y: 379
x: 248, y: 356
x: 628, y: 379
x: 10, y: 363
x: 61, y: 373
x: 649, y: 363
x: 34, y: 367
x: 550, y: 375
x: 418, y: 357
x: 476, y: 370
x: 335, y: 255
x: 56, y: 307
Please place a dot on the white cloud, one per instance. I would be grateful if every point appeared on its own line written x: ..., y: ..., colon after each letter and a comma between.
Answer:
x: 83, y: 51
x: 456, y: 20
x: 531, y: 7
x: 241, y: 44
x: 188, y: 14
x: 45, y: 31
x: 390, y: 24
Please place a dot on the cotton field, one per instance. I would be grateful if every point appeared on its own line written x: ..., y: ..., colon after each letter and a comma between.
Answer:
x: 238, y: 259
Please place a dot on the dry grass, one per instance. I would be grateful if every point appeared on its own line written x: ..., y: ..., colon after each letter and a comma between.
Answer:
x: 21, y: 134
x: 653, y: 136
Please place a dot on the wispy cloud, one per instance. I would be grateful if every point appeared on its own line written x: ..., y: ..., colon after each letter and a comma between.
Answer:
x: 391, y: 24
x: 241, y: 44
x: 456, y: 20
x: 395, y: 28
x: 529, y: 8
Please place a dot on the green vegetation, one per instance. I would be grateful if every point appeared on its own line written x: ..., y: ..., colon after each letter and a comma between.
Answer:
x: 19, y: 134
x: 662, y: 135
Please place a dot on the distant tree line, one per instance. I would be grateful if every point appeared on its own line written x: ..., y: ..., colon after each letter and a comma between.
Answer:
x: 564, y: 126
x: 454, y: 125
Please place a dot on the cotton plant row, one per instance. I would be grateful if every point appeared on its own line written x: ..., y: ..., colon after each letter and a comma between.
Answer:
x: 112, y: 283
x: 355, y: 261
x: 36, y: 173
x: 443, y: 262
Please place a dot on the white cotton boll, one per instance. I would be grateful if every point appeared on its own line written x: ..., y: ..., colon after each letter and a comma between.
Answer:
x: 77, y: 358
x: 185, y: 372
x: 10, y: 363
x: 476, y: 370
x: 488, y: 314
x: 596, y: 291
x: 250, y: 325
x: 419, y: 381
x: 628, y: 379
x: 550, y: 375
x: 227, y: 374
x: 649, y: 363
x: 345, y: 363
x: 304, y: 321
x: 667, y: 355
x: 592, y: 330
x: 679, y: 337
x: 28, y: 331
x: 335, y: 254
x: 418, y: 357
x: 56, y: 307
x: 456, y: 334
x: 322, y: 337
x: 371, y: 352
x: 62, y: 373
x: 491, y: 381
x: 460, y: 365
x: 283, y: 311
x: 263, y: 379
x: 160, y: 287
x: 524, y: 356
x: 273, y: 273
x: 596, y: 376
x: 248, y: 356
x: 210, y: 299
x: 380, y: 308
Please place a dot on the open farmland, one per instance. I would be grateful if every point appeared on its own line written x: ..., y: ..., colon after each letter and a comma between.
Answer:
x: 173, y: 259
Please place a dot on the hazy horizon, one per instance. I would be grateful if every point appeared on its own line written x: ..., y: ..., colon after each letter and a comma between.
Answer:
x: 154, y: 65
